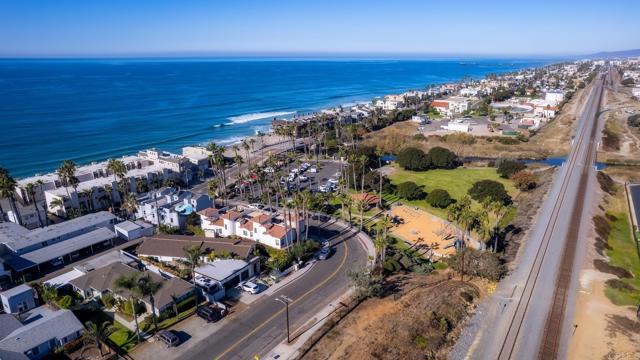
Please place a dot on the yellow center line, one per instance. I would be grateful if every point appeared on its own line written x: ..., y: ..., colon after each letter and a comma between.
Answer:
x: 344, y: 260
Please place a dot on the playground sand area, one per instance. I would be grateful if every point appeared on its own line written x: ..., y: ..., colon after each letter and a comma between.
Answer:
x: 423, y: 229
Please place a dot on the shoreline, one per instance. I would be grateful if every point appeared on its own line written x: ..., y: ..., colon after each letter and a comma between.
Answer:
x: 246, y: 120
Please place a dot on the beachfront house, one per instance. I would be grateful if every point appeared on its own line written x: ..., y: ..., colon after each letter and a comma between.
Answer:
x: 170, y: 207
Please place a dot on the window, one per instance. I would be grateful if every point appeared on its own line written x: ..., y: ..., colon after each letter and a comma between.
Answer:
x: 225, y: 226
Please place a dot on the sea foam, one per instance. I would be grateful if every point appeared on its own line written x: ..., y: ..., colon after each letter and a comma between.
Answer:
x: 257, y: 116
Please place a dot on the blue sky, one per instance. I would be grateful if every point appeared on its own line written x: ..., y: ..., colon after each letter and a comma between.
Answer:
x: 201, y: 27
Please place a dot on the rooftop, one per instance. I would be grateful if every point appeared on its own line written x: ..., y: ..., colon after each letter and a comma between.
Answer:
x: 16, y: 237
x: 16, y: 290
x: 174, y: 245
x: 220, y: 270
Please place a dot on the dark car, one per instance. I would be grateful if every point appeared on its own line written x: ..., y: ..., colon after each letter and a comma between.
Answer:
x: 211, y: 314
x: 168, y: 337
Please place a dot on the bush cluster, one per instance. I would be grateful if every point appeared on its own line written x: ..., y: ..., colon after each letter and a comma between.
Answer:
x: 410, y: 191
x: 411, y: 158
x: 507, y: 167
x: 439, y: 198
x: 491, y: 189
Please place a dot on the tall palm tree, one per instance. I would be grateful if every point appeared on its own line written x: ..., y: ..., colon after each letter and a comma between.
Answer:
x: 119, y: 171
x: 130, y: 205
x: 247, y: 147
x: 56, y: 203
x: 193, y: 255
x: 148, y: 288
x: 129, y: 283
x: 88, y: 194
x: 39, y: 182
x: 67, y: 175
x: 98, y: 334
x: 31, y: 191
x: 498, y: 210
x: 7, y: 190
x: 361, y: 205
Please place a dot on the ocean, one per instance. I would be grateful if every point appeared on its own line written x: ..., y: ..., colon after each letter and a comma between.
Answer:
x: 89, y: 110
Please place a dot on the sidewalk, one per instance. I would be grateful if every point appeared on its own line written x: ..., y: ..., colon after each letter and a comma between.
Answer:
x: 285, y: 351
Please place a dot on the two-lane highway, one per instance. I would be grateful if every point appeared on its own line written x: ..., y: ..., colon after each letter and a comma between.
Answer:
x: 261, y: 326
x: 527, y: 316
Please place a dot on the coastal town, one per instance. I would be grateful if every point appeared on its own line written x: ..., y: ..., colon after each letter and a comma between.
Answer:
x: 272, y: 246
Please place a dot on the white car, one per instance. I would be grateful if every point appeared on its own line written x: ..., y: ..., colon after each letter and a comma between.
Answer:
x: 333, y: 181
x: 250, y: 287
x: 269, y: 169
x: 303, y: 178
x: 295, y: 170
x: 255, y: 206
x: 313, y: 170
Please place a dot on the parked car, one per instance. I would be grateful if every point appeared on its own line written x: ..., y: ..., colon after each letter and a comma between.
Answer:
x: 56, y: 262
x: 255, y: 206
x: 211, y: 314
x: 324, y: 253
x: 303, y: 178
x: 250, y: 287
x: 313, y: 170
x: 269, y: 170
x: 168, y: 337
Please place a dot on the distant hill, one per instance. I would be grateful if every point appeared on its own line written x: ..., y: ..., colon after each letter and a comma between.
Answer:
x: 615, y: 54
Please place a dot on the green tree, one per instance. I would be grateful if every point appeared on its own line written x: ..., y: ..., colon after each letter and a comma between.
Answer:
x: 439, y: 198
x: 193, y: 255
x: 98, y: 334
x: 491, y: 189
x: 410, y: 191
x: 508, y: 167
x: 7, y: 190
x: 413, y: 159
x: 31, y: 192
x: 146, y: 287
x: 365, y: 283
x: 129, y: 283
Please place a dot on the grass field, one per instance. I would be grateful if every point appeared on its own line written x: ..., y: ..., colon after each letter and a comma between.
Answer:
x: 457, y: 182
x: 123, y: 337
x: 624, y: 254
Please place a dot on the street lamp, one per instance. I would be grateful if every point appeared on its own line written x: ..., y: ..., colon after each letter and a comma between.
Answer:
x: 285, y: 300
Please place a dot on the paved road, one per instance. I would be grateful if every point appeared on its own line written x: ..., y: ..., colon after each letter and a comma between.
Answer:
x: 260, y: 327
x: 529, y: 310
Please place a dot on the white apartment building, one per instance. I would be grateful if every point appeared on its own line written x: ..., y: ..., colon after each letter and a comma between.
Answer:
x: 554, y: 97
x: 256, y: 226
x: 170, y: 207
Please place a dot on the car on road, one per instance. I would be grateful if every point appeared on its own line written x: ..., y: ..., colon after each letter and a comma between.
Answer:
x: 324, y: 253
x: 250, y: 287
x: 168, y: 337
x: 211, y: 314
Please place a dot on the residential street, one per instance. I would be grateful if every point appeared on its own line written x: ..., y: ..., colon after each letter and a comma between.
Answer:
x: 256, y: 329
x: 530, y: 314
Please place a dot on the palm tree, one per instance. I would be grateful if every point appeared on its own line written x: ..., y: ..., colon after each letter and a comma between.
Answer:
x: 98, y: 334
x: 129, y: 283
x: 88, y: 194
x: 49, y: 293
x: 193, y: 255
x: 148, y: 288
x: 30, y: 188
x: 56, y: 203
x: 498, y: 210
x: 130, y: 205
x: 7, y: 188
x: 67, y: 175
x: 174, y: 303
x: 383, y: 228
x: 39, y: 182
x: 119, y: 170
x: 361, y: 205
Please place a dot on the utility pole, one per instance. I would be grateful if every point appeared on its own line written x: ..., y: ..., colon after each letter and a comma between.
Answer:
x: 285, y: 300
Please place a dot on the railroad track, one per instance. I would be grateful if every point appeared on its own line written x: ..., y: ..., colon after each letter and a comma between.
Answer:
x: 551, y: 335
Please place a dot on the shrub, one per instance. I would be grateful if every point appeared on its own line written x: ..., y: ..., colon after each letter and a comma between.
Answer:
x: 439, y: 198
x: 493, y: 190
x: 108, y: 300
x: 125, y: 308
x: 442, y: 158
x: 508, y: 167
x: 414, y: 159
x: 524, y: 180
x: 634, y: 120
x: 483, y: 264
x: 65, y: 302
x: 410, y: 191
x: 627, y: 82
x: 419, y: 137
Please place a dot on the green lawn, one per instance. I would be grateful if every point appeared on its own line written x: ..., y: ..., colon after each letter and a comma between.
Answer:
x: 123, y: 337
x: 624, y: 254
x: 457, y: 182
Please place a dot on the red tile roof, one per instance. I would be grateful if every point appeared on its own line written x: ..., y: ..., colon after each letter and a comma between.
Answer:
x: 247, y: 225
x: 440, y: 103
x: 208, y: 212
x: 231, y: 215
x: 277, y: 231
x: 261, y: 218
x: 217, y: 222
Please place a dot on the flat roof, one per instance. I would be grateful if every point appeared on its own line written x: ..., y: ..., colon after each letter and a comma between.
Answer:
x: 128, y: 226
x: 16, y: 290
x: 220, y: 270
x: 54, y: 251
x: 16, y: 237
x: 64, y: 279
